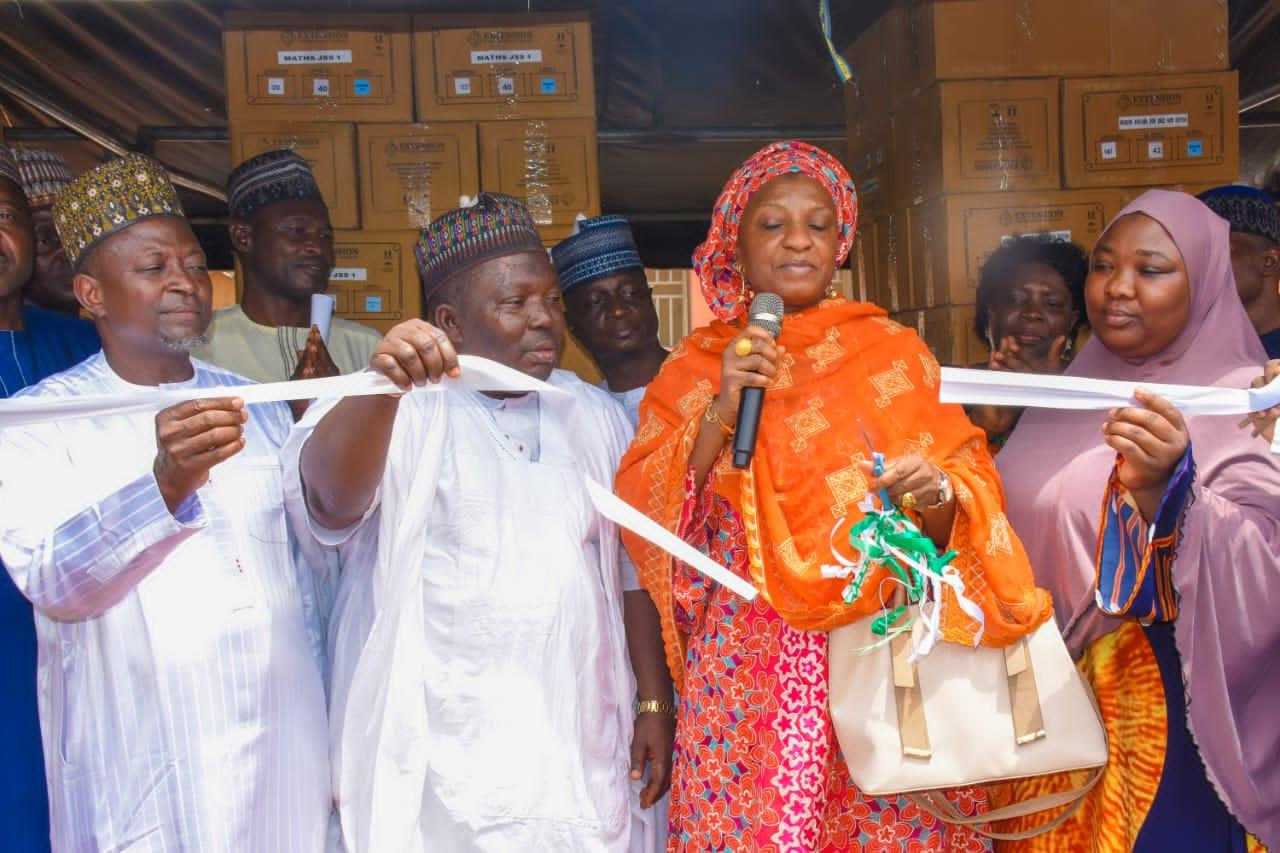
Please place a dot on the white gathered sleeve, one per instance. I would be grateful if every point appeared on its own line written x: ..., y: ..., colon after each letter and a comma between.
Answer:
x: 71, y: 550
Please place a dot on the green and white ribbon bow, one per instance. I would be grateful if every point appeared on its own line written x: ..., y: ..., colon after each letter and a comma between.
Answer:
x: 887, y: 538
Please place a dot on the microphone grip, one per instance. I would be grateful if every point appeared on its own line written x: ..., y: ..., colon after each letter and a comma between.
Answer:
x: 744, y: 436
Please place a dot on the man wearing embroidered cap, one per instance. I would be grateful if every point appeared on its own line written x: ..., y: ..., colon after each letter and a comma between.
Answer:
x: 482, y: 698
x: 609, y: 306
x: 1254, y: 217
x: 281, y: 235
x: 44, y: 175
x: 181, y: 697
x: 34, y: 343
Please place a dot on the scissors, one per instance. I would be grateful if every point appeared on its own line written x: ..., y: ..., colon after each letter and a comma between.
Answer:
x: 877, y: 461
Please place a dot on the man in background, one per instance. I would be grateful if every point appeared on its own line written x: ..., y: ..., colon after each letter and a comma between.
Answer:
x: 609, y: 306
x: 34, y: 343
x: 609, y: 309
x: 282, y: 237
x: 1255, y: 255
x: 44, y: 175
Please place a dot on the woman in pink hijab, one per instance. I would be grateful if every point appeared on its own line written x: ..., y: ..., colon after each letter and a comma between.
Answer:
x: 1158, y: 538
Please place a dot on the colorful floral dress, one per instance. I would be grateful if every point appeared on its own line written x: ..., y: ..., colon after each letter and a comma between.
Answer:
x: 757, y: 763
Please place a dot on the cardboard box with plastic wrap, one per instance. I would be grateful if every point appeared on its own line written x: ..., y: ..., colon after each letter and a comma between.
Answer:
x: 375, y: 277
x: 971, y: 39
x: 953, y: 236
x: 552, y: 165
x: 1151, y: 130
x: 412, y: 173
x: 487, y: 67
x: 977, y: 136
x: 288, y: 67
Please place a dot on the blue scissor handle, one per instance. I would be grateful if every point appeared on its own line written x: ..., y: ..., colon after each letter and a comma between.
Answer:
x: 877, y: 461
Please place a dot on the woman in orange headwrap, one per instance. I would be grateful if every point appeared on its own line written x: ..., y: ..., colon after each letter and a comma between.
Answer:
x: 757, y: 764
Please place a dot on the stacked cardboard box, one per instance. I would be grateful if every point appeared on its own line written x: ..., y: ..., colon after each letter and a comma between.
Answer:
x: 528, y: 84
x: 973, y: 121
x: 402, y: 117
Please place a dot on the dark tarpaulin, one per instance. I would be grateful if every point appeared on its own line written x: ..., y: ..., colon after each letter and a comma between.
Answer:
x: 1255, y: 32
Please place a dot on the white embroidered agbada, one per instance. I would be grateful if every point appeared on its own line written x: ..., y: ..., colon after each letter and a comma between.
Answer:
x: 180, y: 688
x: 490, y: 707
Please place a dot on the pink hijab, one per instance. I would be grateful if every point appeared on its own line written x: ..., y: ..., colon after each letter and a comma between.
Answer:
x: 1227, y: 571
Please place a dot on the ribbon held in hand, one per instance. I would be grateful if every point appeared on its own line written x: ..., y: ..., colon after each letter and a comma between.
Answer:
x: 1034, y: 390
x: 477, y: 374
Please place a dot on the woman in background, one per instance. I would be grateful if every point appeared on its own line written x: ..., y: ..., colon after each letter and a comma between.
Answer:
x: 1030, y: 309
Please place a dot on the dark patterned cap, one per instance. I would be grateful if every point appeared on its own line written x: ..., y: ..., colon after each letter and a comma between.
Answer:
x: 110, y: 198
x: 496, y: 225
x: 44, y: 174
x: 1249, y: 210
x: 9, y: 167
x: 280, y: 175
x: 599, y: 247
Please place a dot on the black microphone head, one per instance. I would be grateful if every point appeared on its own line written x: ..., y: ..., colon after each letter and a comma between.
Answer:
x: 766, y: 312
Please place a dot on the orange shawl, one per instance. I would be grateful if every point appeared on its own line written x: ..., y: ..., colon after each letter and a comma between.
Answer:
x: 846, y: 365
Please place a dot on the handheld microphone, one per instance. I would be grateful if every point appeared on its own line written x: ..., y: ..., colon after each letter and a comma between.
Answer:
x: 766, y: 313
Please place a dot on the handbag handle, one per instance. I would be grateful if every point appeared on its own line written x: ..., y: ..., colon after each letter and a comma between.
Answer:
x: 913, y: 728
x: 937, y: 805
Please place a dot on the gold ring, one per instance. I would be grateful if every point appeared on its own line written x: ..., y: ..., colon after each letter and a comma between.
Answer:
x: 743, y: 347
x: 908, y: 501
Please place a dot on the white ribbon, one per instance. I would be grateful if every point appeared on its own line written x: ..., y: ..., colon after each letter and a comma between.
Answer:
x: 1033, y: 390
x: 322, y: 305
x: 476, y: 374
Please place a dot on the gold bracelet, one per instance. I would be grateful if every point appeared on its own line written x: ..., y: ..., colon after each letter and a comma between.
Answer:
x: 711, y: 416
x: 655, y: 706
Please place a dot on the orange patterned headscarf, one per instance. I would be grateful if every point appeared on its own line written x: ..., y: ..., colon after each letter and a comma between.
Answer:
x: 722, y: 284
x: 846, y: 367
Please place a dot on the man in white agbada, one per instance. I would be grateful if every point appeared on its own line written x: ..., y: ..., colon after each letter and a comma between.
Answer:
x: 482, y: 697
x: 180, y: 687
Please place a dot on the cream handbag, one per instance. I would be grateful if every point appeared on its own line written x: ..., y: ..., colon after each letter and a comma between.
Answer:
x: 963, y: 716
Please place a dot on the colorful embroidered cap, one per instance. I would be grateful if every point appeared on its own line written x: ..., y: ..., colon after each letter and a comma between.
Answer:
x: 280, y: 175
x: 110, y: 198
x: 599, y: 247
x: 1249, y: 210
x: 496, y: 225
x: 44, y: 175
x: 9, y: 166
